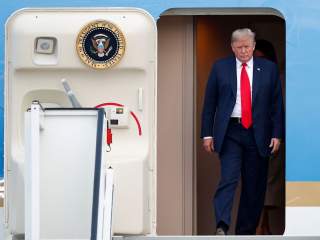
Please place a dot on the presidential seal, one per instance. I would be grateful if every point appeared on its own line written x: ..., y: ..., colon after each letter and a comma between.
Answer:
x: 100, y: 44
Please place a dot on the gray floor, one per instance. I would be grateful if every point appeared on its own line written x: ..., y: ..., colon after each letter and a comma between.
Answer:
x: 184, y: 237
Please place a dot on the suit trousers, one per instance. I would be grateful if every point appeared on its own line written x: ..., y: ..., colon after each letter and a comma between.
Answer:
x: 239, y: 156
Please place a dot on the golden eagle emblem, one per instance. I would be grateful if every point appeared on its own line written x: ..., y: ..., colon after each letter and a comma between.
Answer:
x: 100, y: 44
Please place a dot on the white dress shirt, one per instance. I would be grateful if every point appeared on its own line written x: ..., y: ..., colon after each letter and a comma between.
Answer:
x: 237, y: 107
x: 249, y: 68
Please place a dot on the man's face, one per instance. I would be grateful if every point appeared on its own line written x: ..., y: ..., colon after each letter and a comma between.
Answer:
x: 243, y: 48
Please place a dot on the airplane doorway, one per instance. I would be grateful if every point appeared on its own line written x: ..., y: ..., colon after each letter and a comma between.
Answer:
x: 212, y: 42
x: 188, y: 44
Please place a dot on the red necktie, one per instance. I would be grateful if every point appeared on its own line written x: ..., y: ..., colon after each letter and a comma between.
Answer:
x: 246, y: 114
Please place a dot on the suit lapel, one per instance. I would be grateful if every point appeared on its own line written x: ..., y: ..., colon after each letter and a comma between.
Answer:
x: 256, y: 79
x: 233, y: 77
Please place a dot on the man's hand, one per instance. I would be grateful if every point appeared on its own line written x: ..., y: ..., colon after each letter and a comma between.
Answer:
x: 275, y: 144
x: 208, y: 145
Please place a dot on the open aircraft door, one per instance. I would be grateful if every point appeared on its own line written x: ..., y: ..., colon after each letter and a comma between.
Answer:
x: 108, y: 57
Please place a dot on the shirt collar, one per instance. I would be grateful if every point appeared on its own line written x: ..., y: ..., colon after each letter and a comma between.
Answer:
x: 249, y: 63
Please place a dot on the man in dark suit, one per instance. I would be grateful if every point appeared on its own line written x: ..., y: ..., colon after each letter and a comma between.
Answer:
x: 242, y: 122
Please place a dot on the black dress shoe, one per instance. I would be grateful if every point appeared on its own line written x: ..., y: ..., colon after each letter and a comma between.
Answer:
x: 220, y: 232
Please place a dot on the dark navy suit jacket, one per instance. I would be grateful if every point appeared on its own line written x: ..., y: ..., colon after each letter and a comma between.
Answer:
x: 220, y: 99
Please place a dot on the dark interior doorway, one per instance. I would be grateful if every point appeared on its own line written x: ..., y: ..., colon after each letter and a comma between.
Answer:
x: 188, y: 44
x: 212, y: 42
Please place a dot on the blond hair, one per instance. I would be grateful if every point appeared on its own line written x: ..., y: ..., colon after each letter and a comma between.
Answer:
x: 242, y: 32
